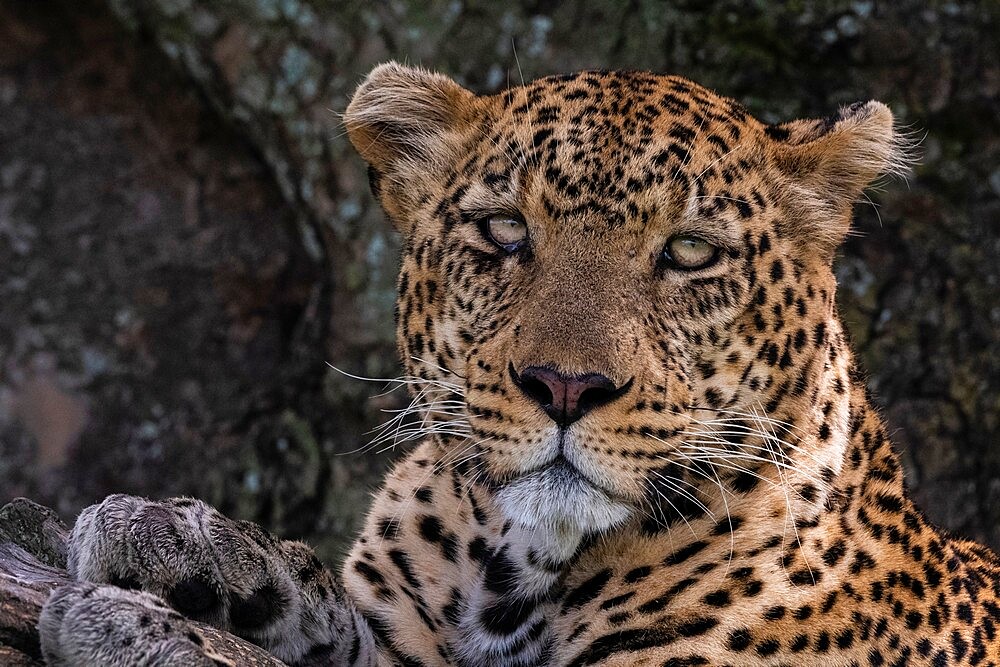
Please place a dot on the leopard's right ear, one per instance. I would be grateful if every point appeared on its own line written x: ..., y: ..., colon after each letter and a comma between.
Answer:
x: 406, y: 122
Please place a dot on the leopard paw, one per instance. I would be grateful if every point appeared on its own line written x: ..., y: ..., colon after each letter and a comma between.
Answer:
x: 85, y: 624
x: 230, y: 574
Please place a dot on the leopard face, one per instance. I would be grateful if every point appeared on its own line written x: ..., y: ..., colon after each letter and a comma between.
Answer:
x: 614, y: 266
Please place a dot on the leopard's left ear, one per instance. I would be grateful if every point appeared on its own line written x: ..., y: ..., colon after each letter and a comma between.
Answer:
x: 407, y: 123
x: 830, y: 162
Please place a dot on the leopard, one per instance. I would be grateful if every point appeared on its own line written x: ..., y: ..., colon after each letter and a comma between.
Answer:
x: 639, y: 434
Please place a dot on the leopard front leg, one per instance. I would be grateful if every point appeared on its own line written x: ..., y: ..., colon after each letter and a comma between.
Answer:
x: 230, y: 574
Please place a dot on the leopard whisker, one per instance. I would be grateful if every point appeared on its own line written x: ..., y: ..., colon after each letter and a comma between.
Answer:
x: 437, y: 407
x: 527, y: 103
x: 667, y: 500
x: 439, y: 367
x: 748, y: 416
x: 403, y: 381
x: 714, y: 453
x: 670, y: 482
x: 697, y: 179
x: 742, y: 430
x: 715, y: 437
x: 735, y: 199
x: 790, y: 515
x: 398, y: 429
x: 736, y: 421
x: 712, y: 461
x: 727, y: 463
x: 411, y: 435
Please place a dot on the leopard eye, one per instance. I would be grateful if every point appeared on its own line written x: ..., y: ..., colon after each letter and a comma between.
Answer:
x: 689, y: 253
x: 508, y: 232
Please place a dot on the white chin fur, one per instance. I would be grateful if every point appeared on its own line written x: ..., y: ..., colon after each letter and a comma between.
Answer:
x: 559, y: 500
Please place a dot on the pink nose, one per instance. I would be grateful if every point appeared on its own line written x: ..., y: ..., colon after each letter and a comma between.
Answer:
x: 566, y: 398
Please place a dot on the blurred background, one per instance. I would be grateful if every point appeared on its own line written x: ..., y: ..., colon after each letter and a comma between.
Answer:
x: 186, y: 238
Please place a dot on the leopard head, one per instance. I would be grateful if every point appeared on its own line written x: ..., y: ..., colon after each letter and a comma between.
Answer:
x: 619, y: 270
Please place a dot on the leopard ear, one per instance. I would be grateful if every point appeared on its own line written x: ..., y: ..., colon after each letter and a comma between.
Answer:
x: 830, y: 161
x: 405, y: 122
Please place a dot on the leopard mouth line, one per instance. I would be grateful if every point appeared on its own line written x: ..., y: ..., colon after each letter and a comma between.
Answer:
x: 560, y: 471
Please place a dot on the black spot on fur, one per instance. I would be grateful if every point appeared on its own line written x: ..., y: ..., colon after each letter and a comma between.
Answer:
x: 684, y: 553
x: 194, y: 597
x: 127, y: 582
x: 587, y: 591
x: 262, y: 607
x: 777, y: 132
x: 501, y: 573
x: 637, y: 574
x: 505, y: 616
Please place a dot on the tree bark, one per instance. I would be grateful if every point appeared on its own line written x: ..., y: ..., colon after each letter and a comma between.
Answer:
x: 32, y: 565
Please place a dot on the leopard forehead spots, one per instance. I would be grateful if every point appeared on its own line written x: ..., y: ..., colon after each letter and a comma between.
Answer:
x: 607, y: 148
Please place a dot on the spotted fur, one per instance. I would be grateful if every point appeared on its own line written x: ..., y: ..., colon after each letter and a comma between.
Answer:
x: 723, y: 493
x: 741, y: 503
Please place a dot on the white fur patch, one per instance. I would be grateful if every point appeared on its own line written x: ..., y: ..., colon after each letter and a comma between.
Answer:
x: 558, y: 500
